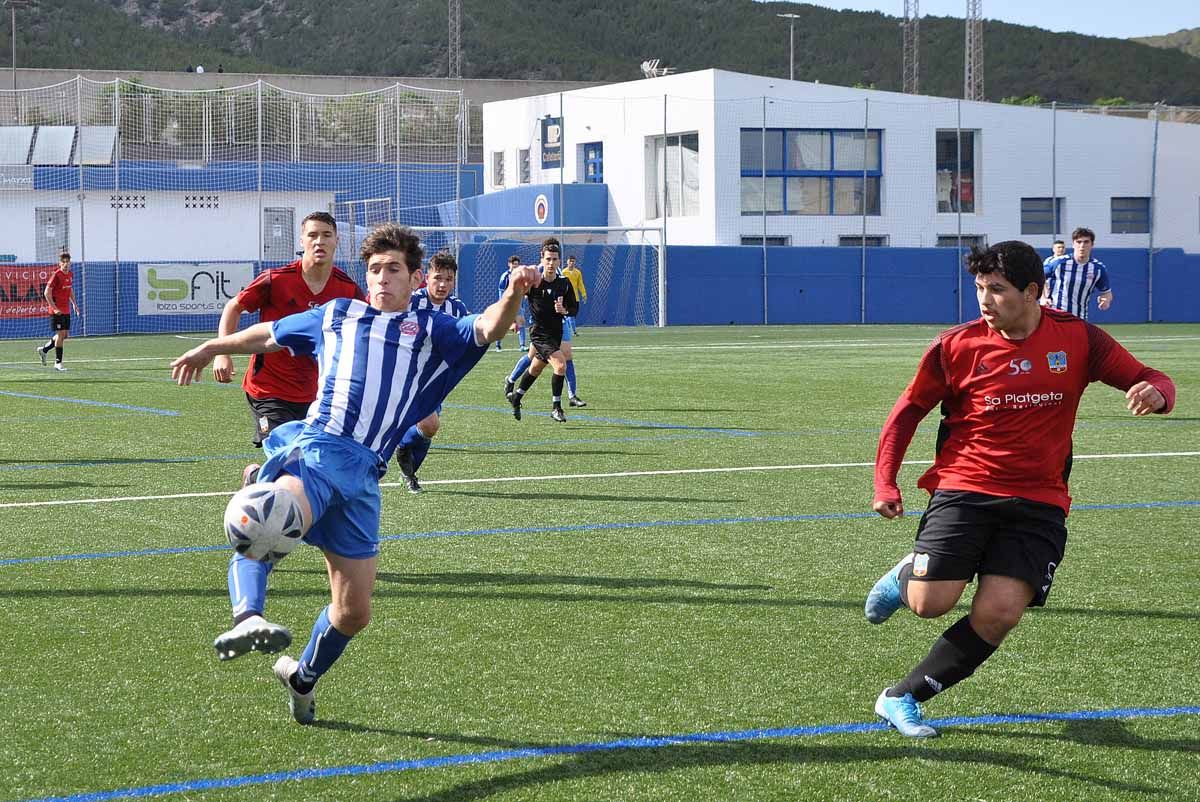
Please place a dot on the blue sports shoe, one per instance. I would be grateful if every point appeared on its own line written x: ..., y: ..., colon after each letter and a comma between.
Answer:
x: 884, y: 599
x: 903, y: 713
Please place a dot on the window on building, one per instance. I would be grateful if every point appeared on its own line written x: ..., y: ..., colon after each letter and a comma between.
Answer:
x: 1042, y: 215
x: 771, y: 241
x: 678, y: 156
x: 498, y: 168
x: 523, y: 165
x: 956, y: 171
x: 1131, y: 215
x: 805, y: 171
x: 952, y: 240
x: 593, y: 163
x: 855, y: 241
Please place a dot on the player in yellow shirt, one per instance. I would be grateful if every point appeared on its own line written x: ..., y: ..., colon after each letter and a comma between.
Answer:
x: 575, y: 276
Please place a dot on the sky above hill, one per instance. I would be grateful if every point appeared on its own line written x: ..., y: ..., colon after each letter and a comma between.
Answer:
x: 1119, y: 19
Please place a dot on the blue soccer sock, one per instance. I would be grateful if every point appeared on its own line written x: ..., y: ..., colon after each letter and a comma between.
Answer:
x: 571, y: 377
x: 522, y: 364
x: 247, y: 587
x: 324, y: 648
x: 420, y: 450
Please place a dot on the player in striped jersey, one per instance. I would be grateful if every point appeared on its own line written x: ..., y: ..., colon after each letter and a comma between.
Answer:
x: 1071, y: 280
x: 437, y: 295
x: 381, y: 368
x: 1057, y: 249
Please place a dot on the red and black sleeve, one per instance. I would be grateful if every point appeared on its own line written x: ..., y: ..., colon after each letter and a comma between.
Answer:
x: 928, y: 388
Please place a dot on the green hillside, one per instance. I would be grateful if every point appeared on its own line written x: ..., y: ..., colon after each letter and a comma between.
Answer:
x: 585, y: 40
x: 1186, y: 40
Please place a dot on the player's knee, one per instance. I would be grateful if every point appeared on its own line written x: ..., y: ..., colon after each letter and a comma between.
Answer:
x: 928, y: 607
x: 995, y: 619
x: 353, y: 618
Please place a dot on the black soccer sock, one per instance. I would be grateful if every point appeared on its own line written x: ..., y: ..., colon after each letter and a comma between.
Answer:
x: 906, y: 574
x: 45, y: 349
x: 58, y: 354
x: 953, y: 658
x: 527, y: 380
x: 298, y: 686
x: 556, y: 385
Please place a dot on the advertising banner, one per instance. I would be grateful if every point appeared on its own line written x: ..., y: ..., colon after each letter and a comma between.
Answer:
x: 190, y: 288
x: 22, y: 289
x: 551, y: 142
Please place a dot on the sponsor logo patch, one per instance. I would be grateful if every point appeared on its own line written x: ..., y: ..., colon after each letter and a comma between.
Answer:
x: 920, y: 565
x: 409, y: 328
x: 1057, y: 361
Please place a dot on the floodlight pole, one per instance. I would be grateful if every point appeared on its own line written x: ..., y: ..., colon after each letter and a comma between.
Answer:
x: 791, y: 18
x: 12, y: 7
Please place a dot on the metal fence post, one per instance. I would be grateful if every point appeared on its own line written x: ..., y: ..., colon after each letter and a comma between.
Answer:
x: 1150, y: 243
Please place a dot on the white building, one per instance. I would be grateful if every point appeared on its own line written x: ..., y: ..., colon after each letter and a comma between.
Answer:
x: 922, y: 187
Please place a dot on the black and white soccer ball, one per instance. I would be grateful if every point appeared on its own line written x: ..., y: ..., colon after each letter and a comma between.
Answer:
x: 264, y: 522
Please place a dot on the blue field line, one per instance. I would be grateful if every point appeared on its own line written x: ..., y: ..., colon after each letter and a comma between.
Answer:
x: 659, y: 742
x: 92, y: 463
x: 615, y: 525
x: 86, y: 402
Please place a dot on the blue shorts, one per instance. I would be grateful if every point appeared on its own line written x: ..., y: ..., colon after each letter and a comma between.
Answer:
x: 568, y: 328
x: 341, y: 480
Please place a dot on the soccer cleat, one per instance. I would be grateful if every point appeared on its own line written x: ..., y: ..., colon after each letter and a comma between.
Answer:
x: 41, y: 354
x: 255, y: 634
x: 557, y: 414
x: 903, y: 713
x: 884, y: 599
x: 515, y: 400
x: 509, y: 384
x: 59, y: 367
x: 302, y: 705
x: 250, y: 474
x: 576, y: 401
x: 404, y: 459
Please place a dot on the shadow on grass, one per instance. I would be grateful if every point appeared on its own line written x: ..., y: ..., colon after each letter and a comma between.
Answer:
x: 1106, y: 732
x: 566, y: 451
x: 663, y: 760
x: 475, y: 579
x: 52, y: 485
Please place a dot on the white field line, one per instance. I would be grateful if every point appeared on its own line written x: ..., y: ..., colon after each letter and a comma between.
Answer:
x: 574, y: 476
x: 661, y: 347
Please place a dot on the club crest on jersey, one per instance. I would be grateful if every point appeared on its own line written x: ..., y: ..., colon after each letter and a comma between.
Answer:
x: 920, y: 564
x: 409, y: 328
x: 1057, y: 361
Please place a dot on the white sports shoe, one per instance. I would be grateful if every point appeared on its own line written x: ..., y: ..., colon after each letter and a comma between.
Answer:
x: 59, y: 367
x: 41, y: 354
x: 255, y: 634
x: 302, y: 705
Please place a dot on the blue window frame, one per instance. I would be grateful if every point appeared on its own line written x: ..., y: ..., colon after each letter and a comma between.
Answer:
x: 1131, y: 215
x: 1038, y: 216
x: 593, y: 163
x: 811, y: 171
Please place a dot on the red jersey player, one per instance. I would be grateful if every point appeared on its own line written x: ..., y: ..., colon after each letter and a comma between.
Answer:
x: 1009, y: 384
x: 279, y: 387
x: 60, y: 296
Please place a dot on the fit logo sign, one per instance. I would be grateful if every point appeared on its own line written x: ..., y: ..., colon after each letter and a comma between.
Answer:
x: 191, y: 288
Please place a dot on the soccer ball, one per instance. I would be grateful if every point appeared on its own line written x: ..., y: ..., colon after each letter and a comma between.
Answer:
x: 263, y: 522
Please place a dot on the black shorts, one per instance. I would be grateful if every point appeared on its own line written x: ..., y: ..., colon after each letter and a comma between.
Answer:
x: 964, y: 534
x: 60, y: 323
x: 545, y: 346
x: 271, y: 412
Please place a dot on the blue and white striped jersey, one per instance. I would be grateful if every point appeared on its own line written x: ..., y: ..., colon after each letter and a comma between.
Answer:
x: 379, y: 372
x: 452, y: 306
x: 1072, y: 284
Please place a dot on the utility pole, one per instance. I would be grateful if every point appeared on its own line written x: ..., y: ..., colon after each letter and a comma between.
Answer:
x: 912, y: 47
x: 13, y: 5
x: 791, y: 18
x: 973, y: 63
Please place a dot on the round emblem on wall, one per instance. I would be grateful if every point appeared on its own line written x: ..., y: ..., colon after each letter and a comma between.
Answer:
x: 541, y: 209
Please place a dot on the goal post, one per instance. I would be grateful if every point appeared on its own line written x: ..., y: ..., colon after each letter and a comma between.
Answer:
x: 624, y: 268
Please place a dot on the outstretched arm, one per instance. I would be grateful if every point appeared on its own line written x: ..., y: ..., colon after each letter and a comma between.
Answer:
x: 927, y: 389
x: 255, y: 340
x: 493, y: 322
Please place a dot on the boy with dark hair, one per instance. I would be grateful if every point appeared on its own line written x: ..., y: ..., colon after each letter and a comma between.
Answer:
x: 549, y: 302
x: 60, y: 295
x: 1071, y: 280
x: 1009, y: 385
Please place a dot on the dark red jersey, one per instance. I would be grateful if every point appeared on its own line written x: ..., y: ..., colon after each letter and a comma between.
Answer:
x: 1008, y: 407
x: 60, y: 290
x: 275, y: 294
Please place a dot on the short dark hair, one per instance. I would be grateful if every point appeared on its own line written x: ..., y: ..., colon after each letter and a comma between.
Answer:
x: 64, y: 255
x: 1013, y: 259
x: 443, y: 260
x: 394, y: 237
x: 571, y: 258
x: 320, y: 217
x: 550, y: 244
x: 1083, y: 233
x: 1058, y: 242
x: 514, y: 260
